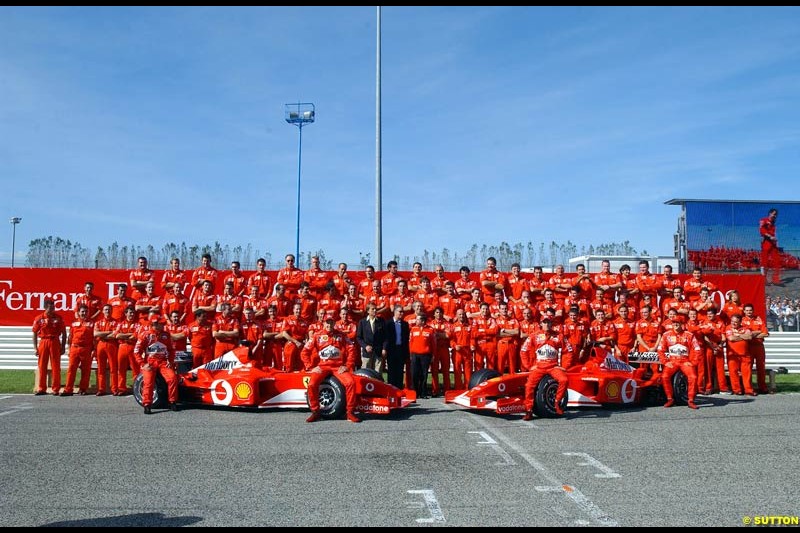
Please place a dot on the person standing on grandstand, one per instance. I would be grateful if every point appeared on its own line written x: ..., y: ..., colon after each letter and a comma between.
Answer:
x: 289, y: 277
x: 626, y: 333
x: 415, y: 279
x: 226, y: 330
x: 148, y: 302
x: 668, y: 282
x: 439, y: 281
x: 491, y: 279
x: 205, y: 300
x: 201, y: 338
x: 172, y: 276
x: 607, y: 281
x: 676, y: 350
x: 733, y: 306
x: 178, y: 331
x: 205, y: 272
x: 237, y: 278
x: 139, y: 278
x: 316, y: 278
x: 366, y: 284
x: 341, y: 280
x: 770, y: 253
x: 464, y: 285
x: 391, y: 279
x: 647, y: 282
x: 542, y: 350
x: 693, y: 285
x: 49, y: 343
x: 120, y: 303
x: 648, y: 331
x: 260, y: 280
x: 175, y: 301
x: 92, y: 302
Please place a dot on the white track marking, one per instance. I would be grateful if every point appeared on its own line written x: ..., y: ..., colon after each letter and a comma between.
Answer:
x: 607, y: 473
x: 583, y: 503
x: 432, y: 504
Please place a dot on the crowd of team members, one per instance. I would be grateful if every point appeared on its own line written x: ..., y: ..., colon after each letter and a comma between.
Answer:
x: 490, y: 320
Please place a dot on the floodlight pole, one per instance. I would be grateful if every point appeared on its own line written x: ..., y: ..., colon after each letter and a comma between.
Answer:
x: 14, y: 221
x: 378, y: 200
x: 299, y: 115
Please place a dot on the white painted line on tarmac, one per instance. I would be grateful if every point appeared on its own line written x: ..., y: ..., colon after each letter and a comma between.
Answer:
x: 607, y: 473
x: 17, y: 409
x: 554, y: 484
x: 5, y: 397
x: 437, y: 516
x: 486, y: 438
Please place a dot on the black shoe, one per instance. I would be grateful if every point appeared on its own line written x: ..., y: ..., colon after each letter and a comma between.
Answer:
x: 173, y: 407
x: 39, y: 393
x: 147, y: 410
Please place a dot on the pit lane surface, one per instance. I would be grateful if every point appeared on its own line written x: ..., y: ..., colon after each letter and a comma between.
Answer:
x: 87, y: 461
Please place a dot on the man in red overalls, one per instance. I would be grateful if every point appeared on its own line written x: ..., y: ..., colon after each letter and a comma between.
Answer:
x: 156, y: 354
x: 770, y: 254
x: 328, y: 353
x: 545, y: 344
x: 49, y: 342
x: 675, y: 351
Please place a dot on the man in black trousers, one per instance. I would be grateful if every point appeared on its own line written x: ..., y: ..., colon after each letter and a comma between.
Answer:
x: 371, y: 336
x: 397, y: 335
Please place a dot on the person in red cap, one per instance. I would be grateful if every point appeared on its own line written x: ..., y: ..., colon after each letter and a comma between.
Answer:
x: 156, y: 354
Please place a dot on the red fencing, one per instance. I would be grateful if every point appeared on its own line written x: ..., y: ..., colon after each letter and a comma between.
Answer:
x: 23, y: 290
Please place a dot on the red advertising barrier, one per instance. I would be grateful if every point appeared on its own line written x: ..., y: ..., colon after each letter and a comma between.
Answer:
x: 24, y: 290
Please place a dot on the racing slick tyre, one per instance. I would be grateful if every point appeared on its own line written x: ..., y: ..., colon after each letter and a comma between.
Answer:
x: 332, y: 401
x: 546, y: 398
x: 484, y: 374
x: 159, y: 391
x: 680, y: 388
x: 369, y: 373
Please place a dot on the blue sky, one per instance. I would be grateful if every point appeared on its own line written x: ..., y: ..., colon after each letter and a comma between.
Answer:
x: 153, y: 125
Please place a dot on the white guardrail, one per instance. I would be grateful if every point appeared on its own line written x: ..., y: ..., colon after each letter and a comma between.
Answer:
x: 16, y: 350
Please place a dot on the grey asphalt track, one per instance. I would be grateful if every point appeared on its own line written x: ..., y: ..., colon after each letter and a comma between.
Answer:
x: 87, y: 461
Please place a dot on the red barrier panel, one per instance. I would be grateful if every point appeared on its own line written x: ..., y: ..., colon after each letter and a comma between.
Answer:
x: 23, y: 290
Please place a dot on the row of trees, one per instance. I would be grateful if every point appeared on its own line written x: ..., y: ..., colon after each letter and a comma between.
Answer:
x: 55, y: 252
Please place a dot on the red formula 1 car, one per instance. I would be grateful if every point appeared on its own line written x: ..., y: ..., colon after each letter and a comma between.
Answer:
x: 602, y: 380
x: 232, y: 381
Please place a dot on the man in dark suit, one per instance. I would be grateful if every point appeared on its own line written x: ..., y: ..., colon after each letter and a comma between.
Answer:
x: 397, y: 336
x: 371, y: 336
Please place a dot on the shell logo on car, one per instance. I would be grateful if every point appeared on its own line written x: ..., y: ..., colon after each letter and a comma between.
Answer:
x: 243, y: 390
x: 612, y: 389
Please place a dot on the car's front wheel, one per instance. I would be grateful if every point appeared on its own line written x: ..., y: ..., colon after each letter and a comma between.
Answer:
x: 545, y: 405
x: 159, y: 391
x: 332, y: 400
